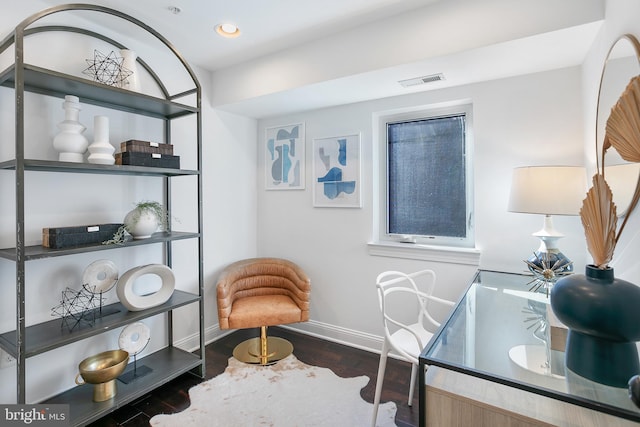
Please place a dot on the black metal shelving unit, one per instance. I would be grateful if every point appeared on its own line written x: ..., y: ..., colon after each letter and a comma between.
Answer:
x: 27, y: 341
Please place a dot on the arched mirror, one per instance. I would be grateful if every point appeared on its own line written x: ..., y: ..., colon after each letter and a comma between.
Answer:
x: 622, y: 63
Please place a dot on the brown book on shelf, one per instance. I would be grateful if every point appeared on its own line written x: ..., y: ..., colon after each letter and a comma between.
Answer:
x: 137, y: 146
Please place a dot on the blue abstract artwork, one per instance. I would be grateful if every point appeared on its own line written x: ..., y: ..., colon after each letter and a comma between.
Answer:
x: 284, y: 157
x: 336, y: 171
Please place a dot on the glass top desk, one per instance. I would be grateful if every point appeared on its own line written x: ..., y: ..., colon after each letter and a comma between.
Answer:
x: 496, y: 332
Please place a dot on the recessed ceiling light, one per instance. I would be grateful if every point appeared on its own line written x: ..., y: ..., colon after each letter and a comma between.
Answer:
x: 228, y: 30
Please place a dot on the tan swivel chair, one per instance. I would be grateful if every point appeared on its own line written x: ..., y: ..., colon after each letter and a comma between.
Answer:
x: 262, y: 292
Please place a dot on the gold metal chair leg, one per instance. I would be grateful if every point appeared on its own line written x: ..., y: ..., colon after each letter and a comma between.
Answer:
x: 264, y: 350
x: 264, y: 354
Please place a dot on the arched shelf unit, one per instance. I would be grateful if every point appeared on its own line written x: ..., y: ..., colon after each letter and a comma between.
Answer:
x: 35, y: 339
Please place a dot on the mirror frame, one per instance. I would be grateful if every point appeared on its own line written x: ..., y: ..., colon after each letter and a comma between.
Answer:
x: 600, y: 150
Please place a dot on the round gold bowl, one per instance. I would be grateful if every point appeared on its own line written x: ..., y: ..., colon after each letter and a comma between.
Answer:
x: 101, y: 370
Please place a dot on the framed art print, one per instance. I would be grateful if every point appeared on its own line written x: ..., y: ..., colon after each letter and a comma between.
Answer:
x: 284, y: 157
x: 336, y: 171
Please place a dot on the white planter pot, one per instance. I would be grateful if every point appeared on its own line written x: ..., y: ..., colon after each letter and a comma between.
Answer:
x: 141, y: 223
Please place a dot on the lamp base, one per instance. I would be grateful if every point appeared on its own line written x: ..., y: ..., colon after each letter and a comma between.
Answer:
x: 547, y: 267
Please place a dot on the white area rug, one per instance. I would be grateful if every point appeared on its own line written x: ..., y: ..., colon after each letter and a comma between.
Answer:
x: 288, y: 393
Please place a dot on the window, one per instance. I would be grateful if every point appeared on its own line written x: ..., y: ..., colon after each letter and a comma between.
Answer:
x: 427, y: 185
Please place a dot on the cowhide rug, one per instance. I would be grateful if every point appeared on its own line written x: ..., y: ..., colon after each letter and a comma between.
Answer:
x: 288, y: 393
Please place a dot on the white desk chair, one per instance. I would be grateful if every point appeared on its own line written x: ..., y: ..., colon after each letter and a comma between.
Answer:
x: 405, y: 338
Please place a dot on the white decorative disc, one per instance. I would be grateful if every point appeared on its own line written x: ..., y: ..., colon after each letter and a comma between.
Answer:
x: 134, y: 338
x: 100, y: 276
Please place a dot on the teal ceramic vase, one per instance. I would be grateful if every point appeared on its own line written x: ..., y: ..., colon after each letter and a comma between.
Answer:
x: 602, y: 314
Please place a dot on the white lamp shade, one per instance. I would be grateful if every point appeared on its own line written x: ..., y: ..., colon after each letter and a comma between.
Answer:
x: 548, y: 190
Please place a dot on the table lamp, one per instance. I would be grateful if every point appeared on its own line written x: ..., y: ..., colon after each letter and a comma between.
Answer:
x: 548, y: 190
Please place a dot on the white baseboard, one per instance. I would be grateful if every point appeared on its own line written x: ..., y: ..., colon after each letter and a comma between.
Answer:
x: 211, y: 334
x: 349, y: 337
x: 338, y: 334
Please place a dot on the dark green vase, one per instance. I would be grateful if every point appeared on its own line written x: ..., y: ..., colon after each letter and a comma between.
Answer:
x: 603, y: 317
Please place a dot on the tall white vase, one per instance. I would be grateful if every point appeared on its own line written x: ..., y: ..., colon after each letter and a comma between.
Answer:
x: 132, y: 82
x: 70, y: 142
x: 101, y: 151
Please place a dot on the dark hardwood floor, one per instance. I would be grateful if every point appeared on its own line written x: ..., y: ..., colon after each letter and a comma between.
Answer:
x: 343, y: 360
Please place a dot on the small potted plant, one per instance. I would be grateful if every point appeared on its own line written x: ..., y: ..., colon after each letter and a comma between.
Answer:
x: 141, y: 222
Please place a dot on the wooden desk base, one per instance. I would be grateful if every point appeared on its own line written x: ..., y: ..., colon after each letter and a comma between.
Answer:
x: 454, y: 399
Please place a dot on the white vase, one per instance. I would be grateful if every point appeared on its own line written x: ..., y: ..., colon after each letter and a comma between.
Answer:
x: 70, y: 142
x: 131, y: 82
x: 141, y: 223
x: 101, y: 151
x: 134, y: 301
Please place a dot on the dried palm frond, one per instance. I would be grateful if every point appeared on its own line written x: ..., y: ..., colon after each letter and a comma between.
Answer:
x: 623, y: 125
x: 623, y: 133
x: 598, y: 214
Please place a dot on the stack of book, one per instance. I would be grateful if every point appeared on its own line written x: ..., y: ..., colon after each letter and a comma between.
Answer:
x: 146, y: 153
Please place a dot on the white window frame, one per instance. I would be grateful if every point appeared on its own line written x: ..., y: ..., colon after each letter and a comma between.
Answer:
x: 408, y: 245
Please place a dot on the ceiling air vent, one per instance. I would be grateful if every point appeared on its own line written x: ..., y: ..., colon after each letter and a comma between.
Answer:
x: 422, y: 80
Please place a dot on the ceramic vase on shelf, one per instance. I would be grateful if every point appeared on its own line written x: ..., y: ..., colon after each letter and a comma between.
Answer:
x: 602, y: 314
x: 132, y: 81
x: 101, y: 151
x: 70, y: 142
x: 141, y: 223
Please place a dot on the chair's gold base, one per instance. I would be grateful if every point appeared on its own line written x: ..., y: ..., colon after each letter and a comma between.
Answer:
x: 263, y: 351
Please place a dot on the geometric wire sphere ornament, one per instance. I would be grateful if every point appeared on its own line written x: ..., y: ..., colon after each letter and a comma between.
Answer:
x: 78, y: 306
x: 107, y: 69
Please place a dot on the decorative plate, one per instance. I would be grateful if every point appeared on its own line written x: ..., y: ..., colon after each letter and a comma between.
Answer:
x: 134, y: 338
x: 100, y: 276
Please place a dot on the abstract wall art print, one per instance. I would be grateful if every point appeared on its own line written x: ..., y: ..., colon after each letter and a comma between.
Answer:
x: 336, y: 172
x: 284, y: 157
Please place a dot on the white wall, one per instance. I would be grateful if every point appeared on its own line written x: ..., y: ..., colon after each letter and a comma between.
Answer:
x: 229, y: 201
x: 529, y: 120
